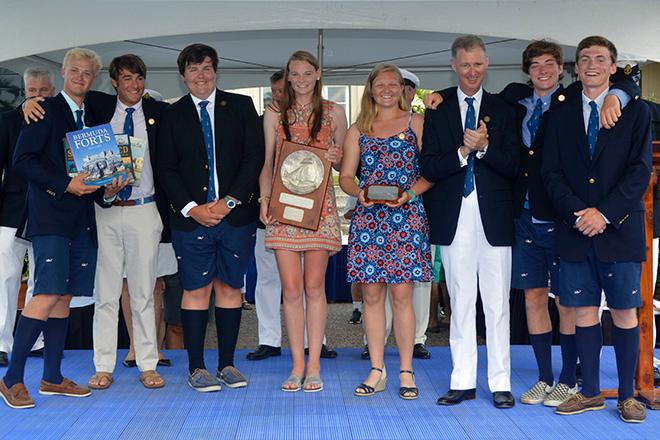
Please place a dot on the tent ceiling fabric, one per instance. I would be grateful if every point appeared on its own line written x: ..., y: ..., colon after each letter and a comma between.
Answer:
x: 255, y: 37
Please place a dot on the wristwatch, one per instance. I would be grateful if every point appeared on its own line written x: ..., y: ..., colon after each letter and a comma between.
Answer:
x: 231, y: 203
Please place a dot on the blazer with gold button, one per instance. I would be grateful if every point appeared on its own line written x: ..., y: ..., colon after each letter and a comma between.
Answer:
x: 39, y: 159
x: 529, y: 180
x: 239, y: 155
x: 493, y: 174
x: 613, y: 181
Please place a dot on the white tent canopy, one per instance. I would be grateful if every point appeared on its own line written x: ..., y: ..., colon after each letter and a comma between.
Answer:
x: 254, y: 38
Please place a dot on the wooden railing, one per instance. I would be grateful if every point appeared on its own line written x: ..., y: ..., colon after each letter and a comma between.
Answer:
x: 644, y: 387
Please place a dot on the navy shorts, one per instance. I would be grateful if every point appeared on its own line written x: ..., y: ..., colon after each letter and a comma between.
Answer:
x: 222, y: 251
x: 581, y: 283
x: 63, y: 266
x: 534, y: 257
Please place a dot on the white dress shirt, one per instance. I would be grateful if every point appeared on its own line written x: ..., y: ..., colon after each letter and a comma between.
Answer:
x: 210, y: 108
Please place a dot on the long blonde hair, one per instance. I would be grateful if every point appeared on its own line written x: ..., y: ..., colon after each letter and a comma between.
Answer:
x: 368, y: 108
x: 314, y: 122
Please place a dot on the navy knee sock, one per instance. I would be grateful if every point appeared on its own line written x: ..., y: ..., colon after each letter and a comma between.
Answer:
x: 194, y: 330
x: 54, y: 339
x: 27, y: 332
x: 542, y: 345
x: 227, y: 323
x: 626, y: 348
x: 568, y: 359
x: 589, y: 341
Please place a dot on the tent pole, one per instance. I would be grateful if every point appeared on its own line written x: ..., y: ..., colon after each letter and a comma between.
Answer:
x: 319, y: 49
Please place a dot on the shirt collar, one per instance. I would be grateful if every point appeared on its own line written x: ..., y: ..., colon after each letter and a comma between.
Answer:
x: 477, y: 96
x: 547, y: 98
x: 210, y: 99
x: 599, y: 99
x: 137, y: 106
x: 72, y: 104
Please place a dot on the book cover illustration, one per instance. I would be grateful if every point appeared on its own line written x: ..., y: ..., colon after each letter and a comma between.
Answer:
x: 138, y: 149
x: 95, y: 151
x: 126, y: 151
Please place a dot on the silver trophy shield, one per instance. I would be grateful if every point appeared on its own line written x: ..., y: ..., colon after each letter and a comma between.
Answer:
x: 302, y: 172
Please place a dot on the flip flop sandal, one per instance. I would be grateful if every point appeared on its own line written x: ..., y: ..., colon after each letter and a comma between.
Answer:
x: 150, y: 378
x: 294, y: 380
x: 313, y: 380
x: 97, y: 381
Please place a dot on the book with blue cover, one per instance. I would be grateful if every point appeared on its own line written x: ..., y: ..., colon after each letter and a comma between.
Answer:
x: 95, y: 151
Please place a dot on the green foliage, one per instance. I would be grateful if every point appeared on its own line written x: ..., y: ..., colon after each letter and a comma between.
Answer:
x: 418, y: 102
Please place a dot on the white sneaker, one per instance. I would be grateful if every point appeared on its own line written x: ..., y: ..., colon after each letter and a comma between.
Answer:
x: 536, y: 394
x: 560, y: 394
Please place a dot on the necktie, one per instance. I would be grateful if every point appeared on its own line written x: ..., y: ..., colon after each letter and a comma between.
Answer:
x: 592, y: 128
x: 208, y: 143
x: 535, y: 121
x: 128, y: 122
x: 79, y: 121
x: 125, y: 193
x: 471, y: 123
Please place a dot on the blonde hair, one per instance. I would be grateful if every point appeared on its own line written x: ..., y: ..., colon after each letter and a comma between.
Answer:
x: 81, y: 52
x: 368, y: 108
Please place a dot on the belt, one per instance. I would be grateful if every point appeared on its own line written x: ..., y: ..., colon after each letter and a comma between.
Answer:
x: 134, y: 202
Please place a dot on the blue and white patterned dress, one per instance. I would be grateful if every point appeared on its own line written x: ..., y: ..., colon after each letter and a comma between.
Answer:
x: 389, y: 245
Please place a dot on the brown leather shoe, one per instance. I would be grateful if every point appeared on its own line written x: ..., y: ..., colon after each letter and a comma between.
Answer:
x: 579, y: 403
x: 631, y: 410
x: 17, y: 396
x: 66, y: 388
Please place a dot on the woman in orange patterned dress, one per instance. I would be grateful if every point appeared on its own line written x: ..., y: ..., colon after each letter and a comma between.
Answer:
x: 305, y: 118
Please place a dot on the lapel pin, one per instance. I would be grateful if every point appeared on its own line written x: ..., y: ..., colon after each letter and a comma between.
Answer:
x: 151, y: 121
x: 223, y: 103
x: 561, y: 98
x: 486, y: 119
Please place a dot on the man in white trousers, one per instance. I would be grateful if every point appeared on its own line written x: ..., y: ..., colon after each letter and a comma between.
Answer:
x: 471, y: 154
x: 38, y: 82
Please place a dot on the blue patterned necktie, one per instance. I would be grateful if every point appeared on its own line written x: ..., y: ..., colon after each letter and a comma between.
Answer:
x: 471, y: 123
x: 125, y: 193
x: 592, y: 128
x: 535, y: 121
x: 208, y: 142
x: 79, y: 121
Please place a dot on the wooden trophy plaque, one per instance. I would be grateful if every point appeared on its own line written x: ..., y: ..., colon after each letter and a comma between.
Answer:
x: 300, y: 182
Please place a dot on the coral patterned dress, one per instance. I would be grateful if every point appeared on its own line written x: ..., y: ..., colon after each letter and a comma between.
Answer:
x: 328, y: 235
x: 389, y: 245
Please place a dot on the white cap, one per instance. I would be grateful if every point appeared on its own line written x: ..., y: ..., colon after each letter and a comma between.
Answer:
x: 153, y: 94
x: 408, y: 75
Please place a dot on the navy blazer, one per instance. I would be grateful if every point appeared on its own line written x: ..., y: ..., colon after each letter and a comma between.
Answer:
x: 102, y: 106
x: 239, y: 156
x: 39, y: 159
x: 12, y: 187
x: 529, y: 179
x: 614, y: 181
x: 494, y: 173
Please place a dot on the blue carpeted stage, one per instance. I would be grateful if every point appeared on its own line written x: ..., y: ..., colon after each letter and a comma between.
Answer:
x: 262, y: 411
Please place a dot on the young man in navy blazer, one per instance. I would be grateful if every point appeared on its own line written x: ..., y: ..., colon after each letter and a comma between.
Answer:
x: 470, y: 153
x: 211, y: 155
x: 61, y: 225
x: 38, y: 82
x: 596, y: 179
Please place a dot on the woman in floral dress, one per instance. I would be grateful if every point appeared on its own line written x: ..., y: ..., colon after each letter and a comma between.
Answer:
x: 304, y: 118
x: 388, y: 243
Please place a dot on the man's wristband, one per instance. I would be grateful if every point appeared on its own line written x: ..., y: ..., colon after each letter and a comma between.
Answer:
x: 109, y: 200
